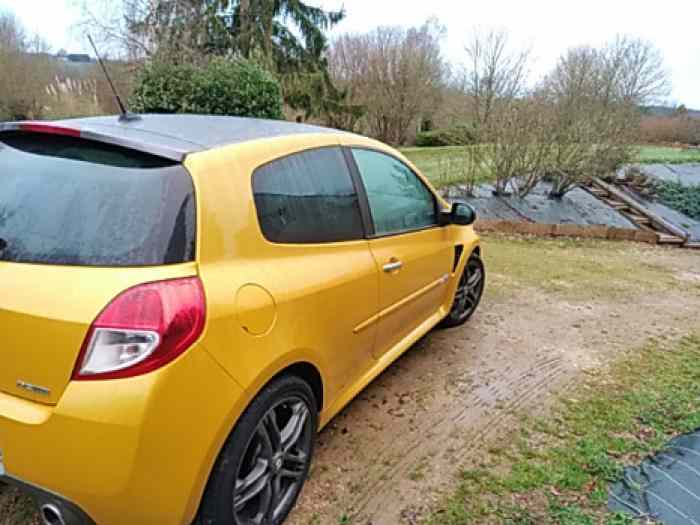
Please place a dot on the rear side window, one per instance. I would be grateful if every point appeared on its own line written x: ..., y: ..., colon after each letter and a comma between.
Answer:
x: 70, y: 201
x: 307, y: 197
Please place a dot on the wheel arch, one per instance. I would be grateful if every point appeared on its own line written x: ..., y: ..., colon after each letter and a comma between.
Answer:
x: 303, y: 369
x: 309, y: 373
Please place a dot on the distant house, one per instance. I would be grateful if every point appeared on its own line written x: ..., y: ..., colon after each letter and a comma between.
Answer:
x: 78, y: 58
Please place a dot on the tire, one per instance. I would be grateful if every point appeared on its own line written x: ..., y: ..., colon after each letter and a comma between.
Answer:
x: 254, y: 481
x: 468, y: 294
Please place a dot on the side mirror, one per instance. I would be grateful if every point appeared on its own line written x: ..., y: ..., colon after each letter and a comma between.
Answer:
x: 461, y: 214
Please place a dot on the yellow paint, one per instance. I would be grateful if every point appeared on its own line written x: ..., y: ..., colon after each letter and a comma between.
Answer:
x: 140, y: 450
x: 255, y: 309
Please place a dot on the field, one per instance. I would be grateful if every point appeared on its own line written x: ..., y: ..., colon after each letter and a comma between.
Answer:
x: 443, y: 166
x: 666, y: 155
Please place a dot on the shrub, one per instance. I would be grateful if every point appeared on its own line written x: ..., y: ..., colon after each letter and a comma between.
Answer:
x: 459, y: 135
x: 685, y: 199
x: 222, y: 87
x: 678, y: 129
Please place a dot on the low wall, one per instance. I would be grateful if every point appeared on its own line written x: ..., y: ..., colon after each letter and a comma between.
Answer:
x: 566, y: 230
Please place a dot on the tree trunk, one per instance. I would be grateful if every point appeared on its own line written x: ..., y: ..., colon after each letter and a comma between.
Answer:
x: 244, y: 14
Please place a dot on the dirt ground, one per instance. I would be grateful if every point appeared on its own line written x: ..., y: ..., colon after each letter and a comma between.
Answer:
x: 552, y: 310
x: 393, y: 452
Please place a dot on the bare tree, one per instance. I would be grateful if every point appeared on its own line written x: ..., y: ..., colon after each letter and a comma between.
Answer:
x: 174, y: 30
x: 12, y: 34
x: 594, y: 119
x: 396, y: 74
x: 577, y: 76
x: 624, y: 71
x: 26, y: 70
x: 517, y: 145
x: 493, y: 73
x: 634, y: 71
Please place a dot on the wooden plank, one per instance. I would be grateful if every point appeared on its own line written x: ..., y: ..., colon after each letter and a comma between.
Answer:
x: 670, y: 239
x: 658, y: 221
x: 638, y: 218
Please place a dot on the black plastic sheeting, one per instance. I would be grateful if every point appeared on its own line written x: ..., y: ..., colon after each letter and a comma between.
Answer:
x: 665, y: 487
x: 576, y: 207
x: 686, y: 174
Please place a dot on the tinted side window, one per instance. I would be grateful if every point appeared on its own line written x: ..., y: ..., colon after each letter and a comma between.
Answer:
x: 398, y: 199
x: 307, y: 197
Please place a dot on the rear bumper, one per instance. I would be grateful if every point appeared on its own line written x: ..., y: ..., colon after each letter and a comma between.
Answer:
x: 69, y: 512
x: 135, y: 451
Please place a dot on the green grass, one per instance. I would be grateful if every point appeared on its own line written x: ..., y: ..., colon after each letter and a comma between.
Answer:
x: 685, y: 199
x: 444, y: 166
x: 556, y: 470
x: 667, y: 155
x: 577, y: 269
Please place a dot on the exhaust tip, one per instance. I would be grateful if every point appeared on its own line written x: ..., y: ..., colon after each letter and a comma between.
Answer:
x: 52, y: 515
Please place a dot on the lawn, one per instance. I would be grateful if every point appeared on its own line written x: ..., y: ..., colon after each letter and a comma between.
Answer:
x: 666, y: 155
x: 444, y: 166
x: 572, y: 269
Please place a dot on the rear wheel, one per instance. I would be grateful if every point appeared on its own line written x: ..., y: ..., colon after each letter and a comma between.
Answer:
x: 469, y: 291
x: 265, y: 461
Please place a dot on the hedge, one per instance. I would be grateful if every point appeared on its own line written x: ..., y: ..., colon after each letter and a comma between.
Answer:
x: 222, y: 87
x: 459, y: 135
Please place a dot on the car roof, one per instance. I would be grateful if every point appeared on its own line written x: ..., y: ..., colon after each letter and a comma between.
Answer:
x: 171, y: 136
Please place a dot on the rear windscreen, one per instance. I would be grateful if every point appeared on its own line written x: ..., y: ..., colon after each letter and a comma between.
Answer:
x: 71, y: 201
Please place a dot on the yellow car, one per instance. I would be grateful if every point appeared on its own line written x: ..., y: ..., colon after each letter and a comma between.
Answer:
x: 186, y: 300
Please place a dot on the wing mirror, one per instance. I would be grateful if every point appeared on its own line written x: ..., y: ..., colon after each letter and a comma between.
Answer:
x: 461, y: 214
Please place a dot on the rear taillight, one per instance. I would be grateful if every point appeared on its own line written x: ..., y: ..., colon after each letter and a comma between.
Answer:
x: 143, y: 329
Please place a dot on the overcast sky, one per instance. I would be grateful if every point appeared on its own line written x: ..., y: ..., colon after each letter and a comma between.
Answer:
x: 548, y: 27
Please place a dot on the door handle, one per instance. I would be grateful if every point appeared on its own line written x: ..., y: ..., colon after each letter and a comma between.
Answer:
x: 392, y: 266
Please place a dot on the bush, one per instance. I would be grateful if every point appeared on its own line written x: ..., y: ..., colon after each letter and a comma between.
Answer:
x: 222, y: 87
x: 685, y: 199
x: 460, y: 135
x: 664, y: 130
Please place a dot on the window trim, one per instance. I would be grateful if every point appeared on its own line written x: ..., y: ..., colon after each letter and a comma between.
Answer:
x: 358, y: 194
x: 355, y: 171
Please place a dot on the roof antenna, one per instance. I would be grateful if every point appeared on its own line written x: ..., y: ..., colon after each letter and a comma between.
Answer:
x: 125, y: 115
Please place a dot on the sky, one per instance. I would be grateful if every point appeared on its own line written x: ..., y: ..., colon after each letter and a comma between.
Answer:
x: 546, y: 27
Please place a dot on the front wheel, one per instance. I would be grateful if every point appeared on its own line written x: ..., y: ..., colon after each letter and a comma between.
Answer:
x: 265, y: 462
x: 469, y: 292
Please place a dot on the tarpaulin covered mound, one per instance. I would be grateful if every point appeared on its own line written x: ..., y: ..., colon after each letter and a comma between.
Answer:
x: 576, y: 207
x: 665, y: 487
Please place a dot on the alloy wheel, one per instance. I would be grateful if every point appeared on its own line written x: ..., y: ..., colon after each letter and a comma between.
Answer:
x: 274, y: 465
x: 469, y: 290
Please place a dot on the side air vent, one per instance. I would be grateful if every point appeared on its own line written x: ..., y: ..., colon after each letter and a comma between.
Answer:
x: 458, y: 255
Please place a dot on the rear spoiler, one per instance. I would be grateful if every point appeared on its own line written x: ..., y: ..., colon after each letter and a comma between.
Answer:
x: 48, y: 128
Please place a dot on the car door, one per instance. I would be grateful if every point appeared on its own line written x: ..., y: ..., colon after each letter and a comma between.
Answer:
x: 413, y: 253
x: 309, y: 214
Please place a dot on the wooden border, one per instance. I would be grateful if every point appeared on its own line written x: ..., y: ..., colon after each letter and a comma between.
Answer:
x: 566, y: 230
